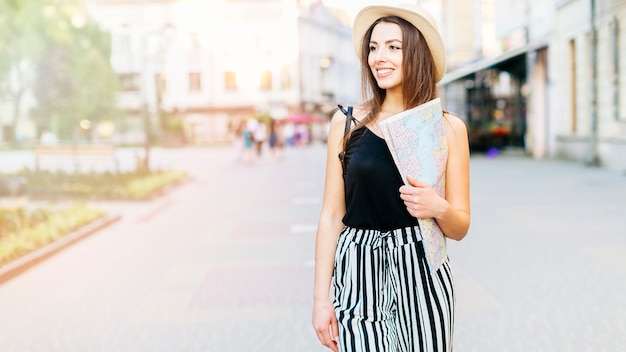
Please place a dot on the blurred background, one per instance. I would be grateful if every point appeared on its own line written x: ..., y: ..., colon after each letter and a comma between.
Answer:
x: 162, y: 169
x: 545, y: 77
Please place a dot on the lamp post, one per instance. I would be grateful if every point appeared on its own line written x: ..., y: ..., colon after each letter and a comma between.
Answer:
x: 145, y: 165
x: 163, y: 35
x: 144, y: 162
x: 593, y: 158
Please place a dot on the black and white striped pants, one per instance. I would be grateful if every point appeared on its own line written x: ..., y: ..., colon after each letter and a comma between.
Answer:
x: 385, y: 297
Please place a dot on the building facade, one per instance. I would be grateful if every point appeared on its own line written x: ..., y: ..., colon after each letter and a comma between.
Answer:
x: 209, y: 63
x: 588, y: 69
x: 492, y: 89
x: 541, y: 79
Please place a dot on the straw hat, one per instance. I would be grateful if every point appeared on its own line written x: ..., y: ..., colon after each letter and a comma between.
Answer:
x: 412, y: 13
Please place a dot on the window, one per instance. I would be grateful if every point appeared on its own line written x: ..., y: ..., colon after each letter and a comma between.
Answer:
x: 230, y: 80
x: 285, y: 78
x: 573, y: 81
x: 120, y: 43
x: 194, y: 40
x: 160, y: 83
x: 195, y: 82
x: 615, y: 70
x: 266, y: 81
x: 130, y: 81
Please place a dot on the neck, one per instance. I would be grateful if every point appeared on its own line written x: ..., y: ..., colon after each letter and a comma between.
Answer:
x: 394, y: 102
x: 392, y: 108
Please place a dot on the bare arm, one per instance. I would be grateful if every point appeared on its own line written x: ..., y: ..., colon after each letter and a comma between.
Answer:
x: 329, y: 226
x: 454, y: 221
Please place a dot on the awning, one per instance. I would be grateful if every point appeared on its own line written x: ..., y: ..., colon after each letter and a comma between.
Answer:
x: 302, y: 118
x: 474, y: 67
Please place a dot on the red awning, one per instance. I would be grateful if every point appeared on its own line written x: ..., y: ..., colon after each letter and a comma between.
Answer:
x: 302, y: 118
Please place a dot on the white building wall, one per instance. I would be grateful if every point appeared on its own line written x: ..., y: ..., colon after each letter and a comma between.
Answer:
x: 574, y: 111
x: 611, y: 77
x: 330, y: 70
x: 212, y: 38
x: 541, y: 20
x: 538, y: 129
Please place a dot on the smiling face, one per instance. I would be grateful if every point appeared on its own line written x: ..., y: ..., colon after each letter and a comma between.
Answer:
x: 385, y: 55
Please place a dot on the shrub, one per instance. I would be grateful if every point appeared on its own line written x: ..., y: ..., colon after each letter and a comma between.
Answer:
x: 122, y: 186
x: 24, y: 230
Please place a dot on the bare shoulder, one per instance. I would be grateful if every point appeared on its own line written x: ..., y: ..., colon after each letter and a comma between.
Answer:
x: 338, y: 118
x: 338, y: 123
x: 454, y: 123
x: 456, y: 133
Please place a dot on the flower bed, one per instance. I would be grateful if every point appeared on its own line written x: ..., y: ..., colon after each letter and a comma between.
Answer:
x: 101, y: 186
x: 24, y: 230
x: 25, y: 227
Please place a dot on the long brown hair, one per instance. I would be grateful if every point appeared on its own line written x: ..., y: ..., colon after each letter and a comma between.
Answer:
x: 419, y: 83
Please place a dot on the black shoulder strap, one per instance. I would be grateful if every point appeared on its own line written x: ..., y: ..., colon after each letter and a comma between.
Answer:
x: 349, y: 118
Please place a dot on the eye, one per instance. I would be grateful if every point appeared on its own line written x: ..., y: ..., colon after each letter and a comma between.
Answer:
x: 395, y: 47
x: 372, y: 48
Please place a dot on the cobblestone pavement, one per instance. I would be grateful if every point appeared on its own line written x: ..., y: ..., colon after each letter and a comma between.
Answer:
x: 544, y: 265
x: 225, y: 263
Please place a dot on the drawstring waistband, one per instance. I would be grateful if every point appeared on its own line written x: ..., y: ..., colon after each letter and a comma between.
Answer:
x: 391, y: 239
x: 375, y: 238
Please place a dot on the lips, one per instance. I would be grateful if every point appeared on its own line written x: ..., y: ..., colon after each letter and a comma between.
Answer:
x: 383, y: 72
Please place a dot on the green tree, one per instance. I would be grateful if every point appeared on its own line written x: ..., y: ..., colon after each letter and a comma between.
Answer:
x: 52, y: 49
x: 20, y: 45
x: 75, y: 79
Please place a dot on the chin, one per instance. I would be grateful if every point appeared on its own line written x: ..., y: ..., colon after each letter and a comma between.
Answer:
x: 385, y: 85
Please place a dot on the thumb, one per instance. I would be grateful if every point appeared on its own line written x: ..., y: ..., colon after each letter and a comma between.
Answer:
x: 416, y: 183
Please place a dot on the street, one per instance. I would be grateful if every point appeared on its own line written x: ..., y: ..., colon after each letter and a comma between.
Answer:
x: 224, y: 262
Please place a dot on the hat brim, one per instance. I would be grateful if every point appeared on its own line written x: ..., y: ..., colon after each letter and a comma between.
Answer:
x: 412, y: 13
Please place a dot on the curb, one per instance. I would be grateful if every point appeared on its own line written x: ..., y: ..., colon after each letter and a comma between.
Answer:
x: 22, y: 264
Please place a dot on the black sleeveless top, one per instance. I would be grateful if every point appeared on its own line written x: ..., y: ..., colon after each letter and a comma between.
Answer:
x: 372, y: 184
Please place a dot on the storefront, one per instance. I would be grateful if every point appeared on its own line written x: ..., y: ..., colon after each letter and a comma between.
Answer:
x: 491, y: 98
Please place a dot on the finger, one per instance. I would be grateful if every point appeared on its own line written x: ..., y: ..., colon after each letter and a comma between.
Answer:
x: 331, y: 344
x: 412, y: 207
x: 325, y: 338
x: 408, y: 190
x: 320, y: 336
x: 416, y: 183
x: 410, y: 198
x: 334, y: 331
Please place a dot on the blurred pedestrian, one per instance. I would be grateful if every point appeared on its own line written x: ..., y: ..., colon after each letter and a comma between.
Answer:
x: 260, y: 137
x: 248, y: 140
x: 289, y: 134
x: 374, y: 289
x: 237, y: 128
x: 302, y: 135
x: 275, y: 139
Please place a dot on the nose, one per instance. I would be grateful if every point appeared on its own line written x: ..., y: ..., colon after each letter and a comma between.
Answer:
x: 380, y: 55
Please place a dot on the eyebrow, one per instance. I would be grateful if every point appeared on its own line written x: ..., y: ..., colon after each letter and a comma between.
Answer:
x: 387, y: 41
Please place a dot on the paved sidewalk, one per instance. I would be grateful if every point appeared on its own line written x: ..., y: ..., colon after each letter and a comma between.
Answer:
x: 225, y: 263
x: 544, y: 266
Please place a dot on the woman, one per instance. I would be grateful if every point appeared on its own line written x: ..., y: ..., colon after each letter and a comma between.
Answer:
x: 373, y: 288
